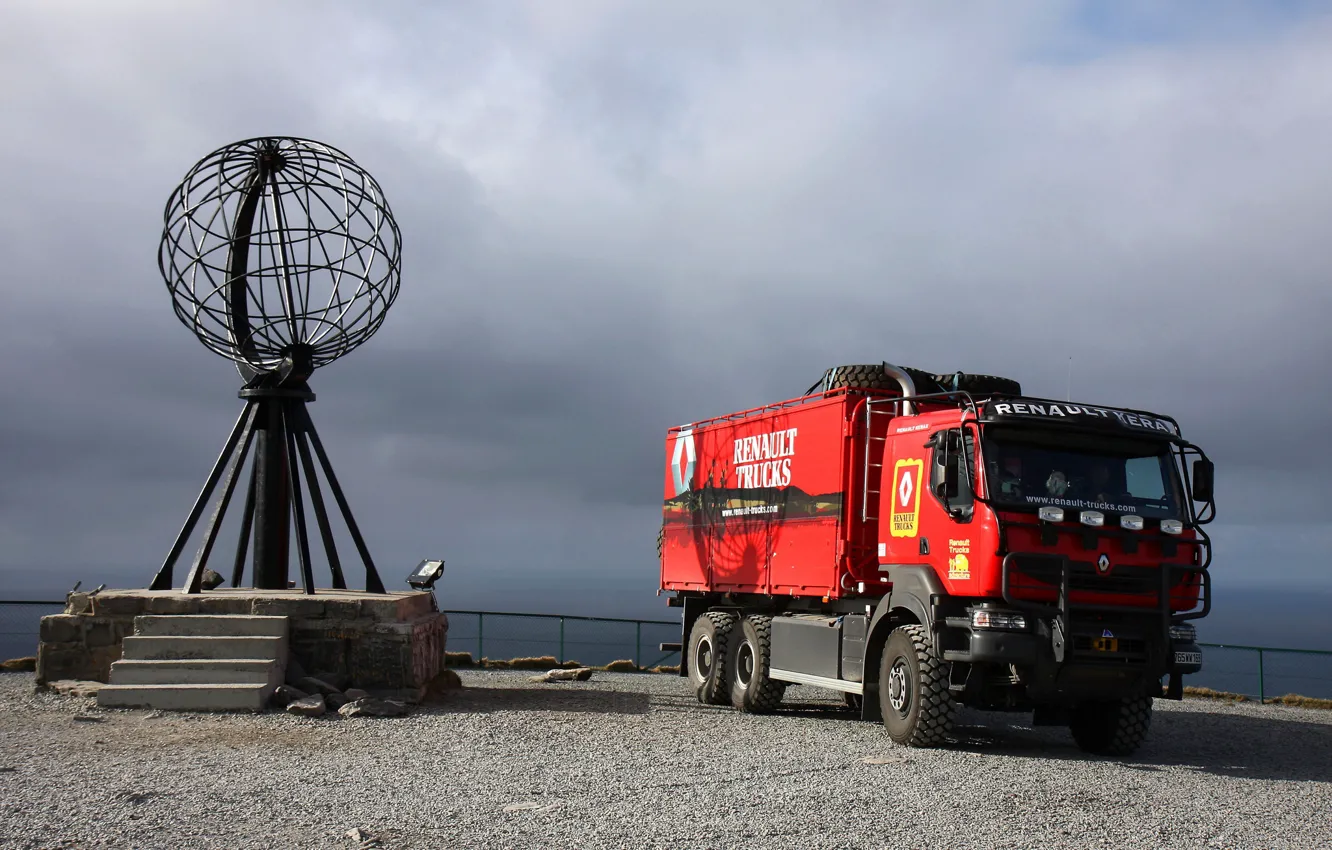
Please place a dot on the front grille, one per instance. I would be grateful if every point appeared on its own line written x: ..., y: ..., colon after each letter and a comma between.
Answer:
x: 1045, y: 573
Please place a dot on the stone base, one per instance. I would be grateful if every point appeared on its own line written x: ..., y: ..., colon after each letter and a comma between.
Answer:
x: 373, y: 640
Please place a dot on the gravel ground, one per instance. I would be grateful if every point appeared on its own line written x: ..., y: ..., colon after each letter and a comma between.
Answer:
x: 632, y: 760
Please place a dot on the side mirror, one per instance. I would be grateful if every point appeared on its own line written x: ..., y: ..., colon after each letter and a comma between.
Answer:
x: 1203, y: 480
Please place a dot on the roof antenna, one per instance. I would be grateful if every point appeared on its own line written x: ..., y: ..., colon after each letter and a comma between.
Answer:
x: 1068, y: 387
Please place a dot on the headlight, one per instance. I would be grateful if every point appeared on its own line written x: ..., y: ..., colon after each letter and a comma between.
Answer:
x: 998, y: 620
x: 1131, y: 522
x: 1049, y: 513
x: 1183, y: 632
x: 1172, y: 526
x: 1093, y: 518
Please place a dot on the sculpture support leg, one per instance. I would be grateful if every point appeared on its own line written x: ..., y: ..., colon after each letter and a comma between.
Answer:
x: 163, y: 579
x: 321, y: 512
x: 372, y: 582
x: 297, y: 505
x: 272, y: 509
x: 195, y: 578
x: 247, y: 520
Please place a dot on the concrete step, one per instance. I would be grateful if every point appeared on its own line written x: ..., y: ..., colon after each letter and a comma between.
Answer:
x: 203, y: 671
x: 227, y: 625
x: 177, y: 647
x: 233, y: 697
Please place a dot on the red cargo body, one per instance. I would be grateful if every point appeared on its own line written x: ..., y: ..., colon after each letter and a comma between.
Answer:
x: 770, y: 500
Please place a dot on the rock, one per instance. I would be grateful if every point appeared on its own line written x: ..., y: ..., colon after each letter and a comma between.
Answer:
x: 88, y: 718
x: 211, y: 579
x: 336, y: 701
x: 355, y: 694
x: 336, y: 678
x: 75, y: 687
x: 285, y: 695
x: 438, y: 687
x: 359, y: 834
x: 295, y: 672
x: 20, y: 665
x: 311, y: 706
x: 577, y: 674
x: 311, y: 685
x: 371, y: 707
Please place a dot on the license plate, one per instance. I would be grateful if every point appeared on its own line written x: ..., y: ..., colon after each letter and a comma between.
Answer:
x: 1105, y: 644
x: 1188, y: 657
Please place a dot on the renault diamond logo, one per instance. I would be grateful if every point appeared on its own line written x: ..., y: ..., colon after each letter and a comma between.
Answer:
x: 1103, y: 565
x: 683, y: 461
x: 904, y: 490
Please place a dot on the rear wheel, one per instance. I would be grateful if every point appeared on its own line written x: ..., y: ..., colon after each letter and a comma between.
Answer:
x: 751, y: 689
x: 1113, y: 727
x: 917, y: 709
x: 709, y: 644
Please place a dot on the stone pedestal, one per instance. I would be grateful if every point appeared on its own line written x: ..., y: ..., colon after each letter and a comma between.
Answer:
x: 390, y: 641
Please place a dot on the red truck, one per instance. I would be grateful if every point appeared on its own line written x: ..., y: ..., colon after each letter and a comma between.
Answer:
x: 921, y: 541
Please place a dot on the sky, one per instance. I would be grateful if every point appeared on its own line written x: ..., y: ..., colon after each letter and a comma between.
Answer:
x: 619, y: 217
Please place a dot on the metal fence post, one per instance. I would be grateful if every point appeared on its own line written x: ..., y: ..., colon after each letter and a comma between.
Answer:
x: 561, y: 640
x: 638, y: 644
x: 1261, y: 693
x: 480, y: 637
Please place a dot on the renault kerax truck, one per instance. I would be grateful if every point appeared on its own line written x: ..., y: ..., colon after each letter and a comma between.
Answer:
x: 919, y: 541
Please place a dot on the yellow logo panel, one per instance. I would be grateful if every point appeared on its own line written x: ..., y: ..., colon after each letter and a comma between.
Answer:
x: 905, y: 515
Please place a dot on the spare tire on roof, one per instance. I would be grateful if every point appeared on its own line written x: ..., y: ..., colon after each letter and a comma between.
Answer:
x: 873, y: 377
x: 968, y: 382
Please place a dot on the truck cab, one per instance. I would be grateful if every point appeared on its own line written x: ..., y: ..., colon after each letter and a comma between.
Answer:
x: 1054, y: 552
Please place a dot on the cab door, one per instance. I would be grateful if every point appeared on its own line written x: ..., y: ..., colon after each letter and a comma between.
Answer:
x: 951, y: 508
x: 932, y: 503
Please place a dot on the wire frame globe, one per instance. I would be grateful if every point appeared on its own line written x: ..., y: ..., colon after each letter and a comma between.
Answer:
x: 275, y: 242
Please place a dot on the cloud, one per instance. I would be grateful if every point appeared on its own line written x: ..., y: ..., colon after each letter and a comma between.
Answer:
x: 619, y: 218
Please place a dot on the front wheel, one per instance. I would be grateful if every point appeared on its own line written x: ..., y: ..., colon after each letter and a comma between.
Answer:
x: 917, y: 709
x: 1112, y: 728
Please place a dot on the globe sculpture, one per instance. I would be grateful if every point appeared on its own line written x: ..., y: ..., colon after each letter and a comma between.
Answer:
x: 281, y: 255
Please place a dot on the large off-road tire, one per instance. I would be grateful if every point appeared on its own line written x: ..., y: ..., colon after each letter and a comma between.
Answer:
x: 751, y: 658
x: 873, y: 377
x: 917, y: 709
x: 1111, y: 728
x: 709, y: 650
x: 979, y: 384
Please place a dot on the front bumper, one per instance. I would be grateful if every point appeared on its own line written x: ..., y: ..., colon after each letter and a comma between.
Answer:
x: 1083, y: 650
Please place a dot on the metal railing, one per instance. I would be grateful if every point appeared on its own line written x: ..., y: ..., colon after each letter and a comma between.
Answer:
x: 1318, y: 673
x: 607, y: 638
x: 592, y: 640
x: 1234, y: 668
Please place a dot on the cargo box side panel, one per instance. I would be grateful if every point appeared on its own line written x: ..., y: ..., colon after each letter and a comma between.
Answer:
x: 742, y: 493
x: 805, y: 551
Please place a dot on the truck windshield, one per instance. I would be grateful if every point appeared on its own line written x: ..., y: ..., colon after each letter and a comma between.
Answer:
x: 1031, y: 467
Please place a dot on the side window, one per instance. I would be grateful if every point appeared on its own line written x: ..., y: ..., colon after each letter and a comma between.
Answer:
x: 950, y: 472
x: 1144, y: 478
